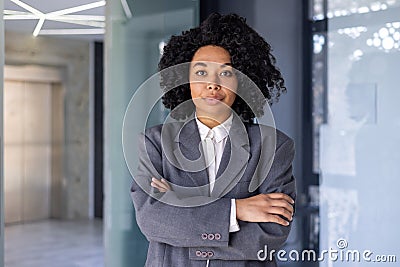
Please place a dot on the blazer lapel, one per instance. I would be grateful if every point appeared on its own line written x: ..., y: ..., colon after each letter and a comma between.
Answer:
x: 188, y: 155
x: 234, y: 159
x: 192, y: 163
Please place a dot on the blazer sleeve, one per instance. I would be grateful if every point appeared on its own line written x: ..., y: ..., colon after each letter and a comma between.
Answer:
x: 176, y: 226
x: 252, y: 237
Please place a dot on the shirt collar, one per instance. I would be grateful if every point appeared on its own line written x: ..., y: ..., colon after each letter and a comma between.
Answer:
x: 221, y: 131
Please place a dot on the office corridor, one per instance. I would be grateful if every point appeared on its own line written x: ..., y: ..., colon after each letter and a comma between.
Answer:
x: 54, y: 243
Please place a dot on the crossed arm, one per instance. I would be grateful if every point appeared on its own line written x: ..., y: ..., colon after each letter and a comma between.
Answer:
x: 260, y: 208
x: 263, y: 219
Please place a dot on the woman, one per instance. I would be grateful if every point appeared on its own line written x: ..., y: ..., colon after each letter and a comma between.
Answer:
x: 230, y: 223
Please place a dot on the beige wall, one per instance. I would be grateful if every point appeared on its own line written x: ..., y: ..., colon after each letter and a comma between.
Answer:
x: 73, y: 57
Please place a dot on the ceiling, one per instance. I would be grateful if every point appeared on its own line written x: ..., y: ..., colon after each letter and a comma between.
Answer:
x: 57, y: 18
x: 62, y: 18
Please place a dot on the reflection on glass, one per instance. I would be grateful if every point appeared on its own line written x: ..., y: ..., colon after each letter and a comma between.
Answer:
x: 386, y: 38
x: 318, y: 89
x: 339, y: 8
x: 341, y: 207
x: 353, y: 32
x: 317, y: 8
x: 359, y: 140
x: 319, y: 42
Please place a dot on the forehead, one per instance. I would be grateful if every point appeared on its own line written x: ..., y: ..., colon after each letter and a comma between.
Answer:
x: 212, y: 53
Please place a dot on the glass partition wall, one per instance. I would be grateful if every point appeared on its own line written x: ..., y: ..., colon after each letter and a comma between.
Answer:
x: 135, y: 34
x: 356, y: 124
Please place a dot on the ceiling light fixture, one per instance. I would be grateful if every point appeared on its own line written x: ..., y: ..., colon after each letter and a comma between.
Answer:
x: 82, y: 17
x: 39, y: 26
x: 72, y: 31
x: 126, y: 8
x: 27, y: 7
x: 20, y: 17
x: 13, y: 12
x: 97, y: 24
x: 62, y: 15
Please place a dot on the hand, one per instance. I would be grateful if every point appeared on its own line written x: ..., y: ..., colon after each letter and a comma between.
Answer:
x: 265, y: 208
x: 162, y: 185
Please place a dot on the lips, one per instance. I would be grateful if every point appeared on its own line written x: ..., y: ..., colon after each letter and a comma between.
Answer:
x: 212, y: 99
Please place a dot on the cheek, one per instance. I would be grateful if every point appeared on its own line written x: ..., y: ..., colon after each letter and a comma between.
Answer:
x: 195, y: 90
x: 231, y: 90
x: 230, y: 97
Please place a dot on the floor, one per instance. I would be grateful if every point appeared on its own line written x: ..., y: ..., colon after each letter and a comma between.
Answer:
x: 54, y: 243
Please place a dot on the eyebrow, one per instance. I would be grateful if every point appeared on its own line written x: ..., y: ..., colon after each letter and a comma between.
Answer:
x: 205, y: 65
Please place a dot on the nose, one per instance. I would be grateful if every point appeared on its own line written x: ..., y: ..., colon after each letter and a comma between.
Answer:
x: 213, y: 86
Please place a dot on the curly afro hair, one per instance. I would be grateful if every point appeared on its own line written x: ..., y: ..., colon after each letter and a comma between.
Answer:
x: 250, y: 54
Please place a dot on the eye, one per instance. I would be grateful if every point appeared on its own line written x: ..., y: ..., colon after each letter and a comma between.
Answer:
x: 226, y: 73
x: 201, y: 73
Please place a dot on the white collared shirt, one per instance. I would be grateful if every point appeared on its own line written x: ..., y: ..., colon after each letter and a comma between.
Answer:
x: 213, y: 143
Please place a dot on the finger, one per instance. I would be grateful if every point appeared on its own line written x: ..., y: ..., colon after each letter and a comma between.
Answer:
x: 157, y: 187
x: 156, y: 183
x: 281, y: 211
x: 281, y: 196
x: 277, y: 219
x: 159, y: 184
x: 161, y: 189
x: 282, y: 204
x: 165, y: 182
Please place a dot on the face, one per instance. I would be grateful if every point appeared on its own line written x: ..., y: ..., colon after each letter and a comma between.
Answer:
x: 213, y: 83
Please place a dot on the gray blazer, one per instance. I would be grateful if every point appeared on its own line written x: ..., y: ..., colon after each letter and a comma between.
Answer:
x: 189, y: 236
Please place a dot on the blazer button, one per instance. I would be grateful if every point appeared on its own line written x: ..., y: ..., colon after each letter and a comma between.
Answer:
x: 217, y: 236
x: 204, y: 254
x: 198, y: 253
x: 204, y: 236
x: 211, y: 236
x: 210, y: 254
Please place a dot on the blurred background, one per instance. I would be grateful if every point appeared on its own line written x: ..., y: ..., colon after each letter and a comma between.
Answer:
x: 70, y: 68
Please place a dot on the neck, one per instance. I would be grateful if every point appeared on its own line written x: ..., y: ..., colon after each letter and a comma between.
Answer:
x: 211, y: 120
